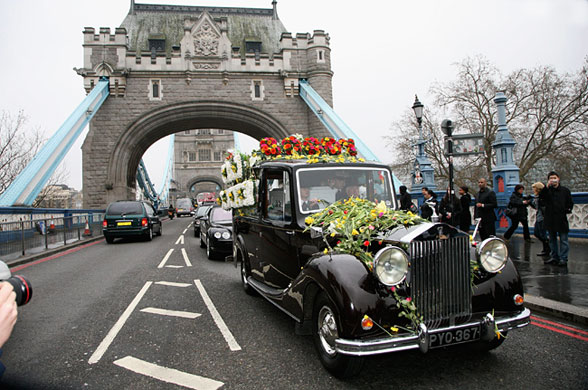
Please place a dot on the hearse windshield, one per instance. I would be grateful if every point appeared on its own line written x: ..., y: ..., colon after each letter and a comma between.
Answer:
x: 319, y: 187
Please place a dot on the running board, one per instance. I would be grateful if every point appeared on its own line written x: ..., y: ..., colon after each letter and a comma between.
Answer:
x: 267, y: 292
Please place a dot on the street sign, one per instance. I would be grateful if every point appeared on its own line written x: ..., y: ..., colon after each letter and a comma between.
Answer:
x: 467, y: 144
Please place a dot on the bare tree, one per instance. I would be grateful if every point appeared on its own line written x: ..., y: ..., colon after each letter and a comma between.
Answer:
x: 547, y: 115
x: 18, y: 145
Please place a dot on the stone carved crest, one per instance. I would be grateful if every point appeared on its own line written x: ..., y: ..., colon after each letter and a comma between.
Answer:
x: 206, y: 40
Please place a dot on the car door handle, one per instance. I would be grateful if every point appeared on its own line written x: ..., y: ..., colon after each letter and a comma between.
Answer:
x: 290, y: 232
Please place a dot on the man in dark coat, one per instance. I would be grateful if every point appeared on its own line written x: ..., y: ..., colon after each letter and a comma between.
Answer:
x: 558, y: 203
x: 405, y: 199
x: 485, y: 205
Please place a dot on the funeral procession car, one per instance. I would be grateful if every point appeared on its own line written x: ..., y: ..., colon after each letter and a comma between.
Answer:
x: 130, y: 218
x: 216, y: 232
x: 325, y: 243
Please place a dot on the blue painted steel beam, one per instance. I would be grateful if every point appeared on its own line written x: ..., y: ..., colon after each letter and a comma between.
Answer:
x: 336, y: 126
x: 145, y: 183
x: 237, y: 143
x: 31, y: 180
x: 168, y: 176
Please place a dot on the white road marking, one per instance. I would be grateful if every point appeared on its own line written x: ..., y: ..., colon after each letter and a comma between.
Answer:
x: 188, y: 264
x: 174, y: 266
x: 97, y: 355
x: 185, y: 230
x: 171, y: 313
x: 173, y: 284
x: 166, y: 257
x: 169, y: 375
x: 180, y: 240
x: 233, y: 345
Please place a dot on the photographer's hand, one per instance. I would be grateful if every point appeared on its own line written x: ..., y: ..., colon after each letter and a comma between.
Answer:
x: 8, y: 311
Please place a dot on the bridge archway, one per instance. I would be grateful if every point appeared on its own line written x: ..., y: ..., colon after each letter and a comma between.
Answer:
x: 152, y: 126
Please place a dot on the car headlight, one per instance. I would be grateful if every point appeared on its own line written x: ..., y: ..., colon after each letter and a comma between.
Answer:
x: 391, y: 265
x: 217, y: 235
x: 492, y: 254
x: 226, y: 235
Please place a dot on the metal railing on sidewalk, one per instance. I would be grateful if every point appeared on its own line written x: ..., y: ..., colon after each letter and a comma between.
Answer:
x: 29, y: 236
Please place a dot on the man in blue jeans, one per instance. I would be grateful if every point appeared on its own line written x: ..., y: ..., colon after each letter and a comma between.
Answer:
x: 558, y: 203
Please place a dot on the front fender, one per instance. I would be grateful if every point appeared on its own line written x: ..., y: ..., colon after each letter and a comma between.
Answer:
x: 497, y: 291
x: 349, y: 285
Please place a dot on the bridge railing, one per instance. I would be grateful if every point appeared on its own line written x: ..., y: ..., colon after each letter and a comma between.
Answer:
x: 27, y: 231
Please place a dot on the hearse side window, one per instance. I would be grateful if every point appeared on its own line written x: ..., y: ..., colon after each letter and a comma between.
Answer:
x: 277, y: 203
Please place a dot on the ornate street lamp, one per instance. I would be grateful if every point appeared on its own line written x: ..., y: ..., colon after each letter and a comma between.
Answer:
x: 422, y: 175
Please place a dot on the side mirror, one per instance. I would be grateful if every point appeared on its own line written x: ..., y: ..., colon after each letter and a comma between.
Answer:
x: 316, y: 232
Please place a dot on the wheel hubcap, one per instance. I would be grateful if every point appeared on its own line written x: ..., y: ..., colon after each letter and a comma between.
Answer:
x: 327, y: 330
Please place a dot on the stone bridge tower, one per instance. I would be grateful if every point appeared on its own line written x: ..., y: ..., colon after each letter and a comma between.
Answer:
x: 177, y: 68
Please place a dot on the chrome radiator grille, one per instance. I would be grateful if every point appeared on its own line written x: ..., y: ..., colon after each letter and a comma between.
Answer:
x: 440, y: 286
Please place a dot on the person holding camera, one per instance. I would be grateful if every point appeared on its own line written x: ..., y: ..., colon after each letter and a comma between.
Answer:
x: 8, y: 315
x: 520, y: 203
x: 558, y: 203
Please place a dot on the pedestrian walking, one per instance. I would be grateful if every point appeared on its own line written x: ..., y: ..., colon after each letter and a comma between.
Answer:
x: 485, y: 205
x: 519, y: 203
x: 429, y: 206
x: 465, y: 218
x: 450, y: 208
x: 405, y: 199
x: 539, y: 228
x: 558, y: 203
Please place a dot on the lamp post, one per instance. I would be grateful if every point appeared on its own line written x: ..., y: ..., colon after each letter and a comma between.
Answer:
x: 422, y: 175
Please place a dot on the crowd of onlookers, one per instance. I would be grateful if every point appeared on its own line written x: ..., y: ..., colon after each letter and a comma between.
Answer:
x: 552, y: 203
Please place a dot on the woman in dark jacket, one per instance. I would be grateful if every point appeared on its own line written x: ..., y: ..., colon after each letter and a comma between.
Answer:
x: 465, y: 200
x: 450, y: 208
x: 517, y: 201
x: 539, y: 231
x: 405, y: 199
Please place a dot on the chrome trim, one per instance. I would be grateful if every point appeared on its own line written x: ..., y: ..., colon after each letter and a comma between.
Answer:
x: 412, y: 341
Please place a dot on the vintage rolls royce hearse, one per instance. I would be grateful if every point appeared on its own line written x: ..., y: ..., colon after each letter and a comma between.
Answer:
x: 325, y: 243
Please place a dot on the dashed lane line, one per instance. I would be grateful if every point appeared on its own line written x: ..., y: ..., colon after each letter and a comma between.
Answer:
x: 185, y: 230
x: 171, y: 313
x: 173, y: 284
x: 174, y: 266
x: 180, y: 240
x: 97, y: 355
x: 165, y: 258
x: 169, y: 375
x: 233, y: 345
x: 186, y: 259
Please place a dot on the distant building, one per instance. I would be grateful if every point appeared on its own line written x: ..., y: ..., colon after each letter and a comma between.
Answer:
x: 198, y: 156
x: 59, y: 196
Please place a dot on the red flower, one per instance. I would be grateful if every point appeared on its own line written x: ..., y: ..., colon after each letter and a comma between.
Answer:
x: 345, y: 211
x: 366, y: 243
x: 408, y: 299
x: 392, y: 288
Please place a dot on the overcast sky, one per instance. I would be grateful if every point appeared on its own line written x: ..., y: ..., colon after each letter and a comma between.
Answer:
x: 383, y: 52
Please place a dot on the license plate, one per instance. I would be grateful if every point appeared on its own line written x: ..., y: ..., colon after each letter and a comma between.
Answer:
x: 455, y: 336
x: 124, y: 223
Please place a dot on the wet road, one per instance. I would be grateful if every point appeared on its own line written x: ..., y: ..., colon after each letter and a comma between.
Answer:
x: 139, y: 315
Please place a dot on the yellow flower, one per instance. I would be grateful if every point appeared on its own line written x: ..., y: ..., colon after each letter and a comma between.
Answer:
x: 394, y: 329
x: 326, y: 251
x: 381, y: 207
x: 333, y: 234
x: 309, y: 220
x: 354, y: 232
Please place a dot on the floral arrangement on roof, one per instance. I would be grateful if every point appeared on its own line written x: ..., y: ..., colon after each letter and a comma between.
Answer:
x: 315, y: 150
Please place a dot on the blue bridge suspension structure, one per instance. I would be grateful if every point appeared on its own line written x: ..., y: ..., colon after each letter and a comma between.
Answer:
x: 29, y: 183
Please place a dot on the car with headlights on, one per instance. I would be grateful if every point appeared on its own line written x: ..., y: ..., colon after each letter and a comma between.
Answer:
x: 216, y: 232
x: 326, y: 244
x: 200, y: 212
x: 130, y: 218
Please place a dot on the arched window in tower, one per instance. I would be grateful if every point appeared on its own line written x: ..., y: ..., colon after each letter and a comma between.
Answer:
x: 503, y: 155
x: 500, y: 182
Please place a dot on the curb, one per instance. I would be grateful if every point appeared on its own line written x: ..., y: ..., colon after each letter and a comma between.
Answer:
x: 557, y: 309
x: 50, y: 252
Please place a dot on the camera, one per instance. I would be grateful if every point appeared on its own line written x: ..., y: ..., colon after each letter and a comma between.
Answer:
x: 21, y: 285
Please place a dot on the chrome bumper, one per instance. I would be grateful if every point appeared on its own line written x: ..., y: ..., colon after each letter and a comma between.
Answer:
x: 422, y: 338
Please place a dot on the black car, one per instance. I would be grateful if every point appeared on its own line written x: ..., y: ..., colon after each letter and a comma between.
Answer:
x: 130, y: 218
x: 216, y: 232
x: 200, y: 212
x: 363, y: 278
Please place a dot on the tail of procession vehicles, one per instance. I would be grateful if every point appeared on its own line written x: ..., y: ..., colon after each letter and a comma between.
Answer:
x: 316, y: 232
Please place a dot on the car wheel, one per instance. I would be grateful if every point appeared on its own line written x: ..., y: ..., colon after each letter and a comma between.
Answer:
x: 202, y: 243
x: 160, y: 232
x: 149, y: 235
x: 209, y: 252
x: 244, y: 275
x: 325, y: 332
x: 109, y: 239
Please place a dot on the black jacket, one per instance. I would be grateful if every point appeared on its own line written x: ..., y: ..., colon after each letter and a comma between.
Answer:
x: 453, y: 207
x: 516, y: 200
x: 465, y: 216
x: 426, y: 210
x: 558, y: 202
x: 488, y: 199
x: 405, y: 201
